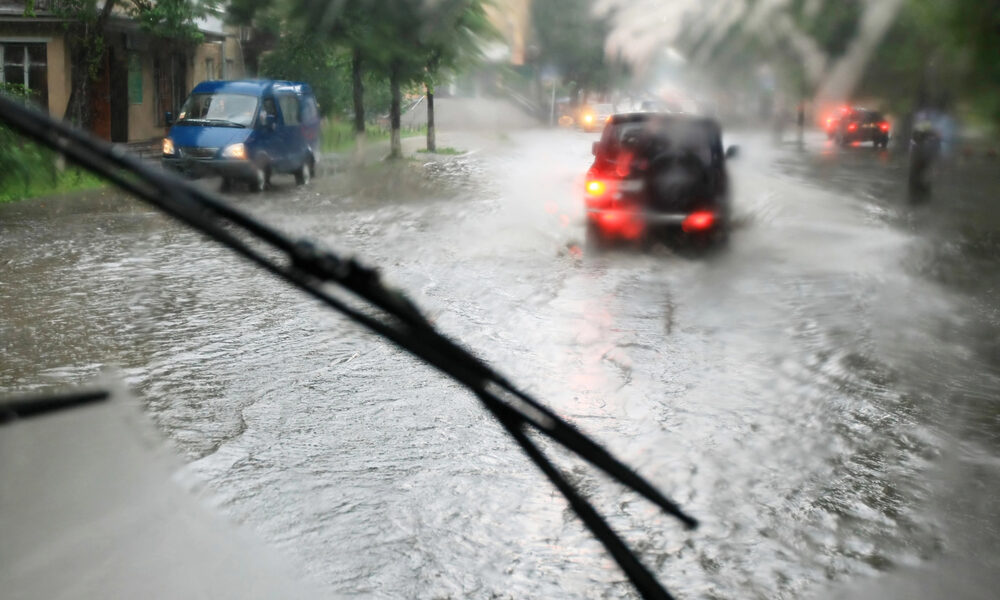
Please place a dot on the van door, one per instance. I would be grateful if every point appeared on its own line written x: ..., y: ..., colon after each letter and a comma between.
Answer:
x: 296, y: 147
x: 311, y: 123
x: 270, y: 139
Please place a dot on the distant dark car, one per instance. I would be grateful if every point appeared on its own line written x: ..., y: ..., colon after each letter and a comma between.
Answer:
x: 595, y: 116
x: 832, y: 121
x: 860, y: 125
x: 657, y: 174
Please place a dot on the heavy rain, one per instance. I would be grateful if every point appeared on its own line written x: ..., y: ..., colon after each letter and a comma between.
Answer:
x: 749, y: 247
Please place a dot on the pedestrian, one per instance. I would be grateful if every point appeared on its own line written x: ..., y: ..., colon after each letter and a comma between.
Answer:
x: 801, y: 121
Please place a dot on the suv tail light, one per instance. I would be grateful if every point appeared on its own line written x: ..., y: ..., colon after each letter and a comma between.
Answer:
x: 884, y: 126
x: 596, y: 187
x: 700, y: 220
x: 852, y: 127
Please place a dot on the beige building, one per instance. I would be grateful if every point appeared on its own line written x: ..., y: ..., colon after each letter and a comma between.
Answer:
x: 512, y: 19
x: 141, y: 79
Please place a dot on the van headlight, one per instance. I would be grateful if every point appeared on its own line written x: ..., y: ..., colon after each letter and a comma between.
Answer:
x: 168, y: 146
x: 237, y: 151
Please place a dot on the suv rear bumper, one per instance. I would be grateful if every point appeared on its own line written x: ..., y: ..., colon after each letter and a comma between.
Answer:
x: 644, y: 216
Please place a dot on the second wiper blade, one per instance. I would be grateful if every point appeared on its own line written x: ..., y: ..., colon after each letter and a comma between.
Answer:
x: 310, y: 268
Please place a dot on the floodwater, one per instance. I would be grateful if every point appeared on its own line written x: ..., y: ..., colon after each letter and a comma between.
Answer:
x: 822, y: 394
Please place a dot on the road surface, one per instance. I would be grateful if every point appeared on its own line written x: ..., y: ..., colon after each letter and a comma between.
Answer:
x: 822, y: 394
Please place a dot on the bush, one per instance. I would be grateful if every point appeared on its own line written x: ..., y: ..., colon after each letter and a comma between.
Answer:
x: 28, y: 169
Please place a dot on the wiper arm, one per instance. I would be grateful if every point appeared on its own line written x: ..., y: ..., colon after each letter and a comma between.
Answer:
x: 309, y: 268
x: 222, y: 122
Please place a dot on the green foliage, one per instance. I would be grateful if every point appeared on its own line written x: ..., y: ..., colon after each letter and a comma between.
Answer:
x: 327, y: 68
x: 570, y: 40
x: 447, y: 151
x: 407, y: 42
x: 339, y: 137
x: 172, y: 19
x: 30, y: 170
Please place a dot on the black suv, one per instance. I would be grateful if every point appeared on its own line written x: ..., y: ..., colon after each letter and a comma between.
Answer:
x: 656, y: 174
x: 860, y: 125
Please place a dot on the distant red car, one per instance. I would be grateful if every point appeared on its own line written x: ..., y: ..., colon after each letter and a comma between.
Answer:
x: 860, y: 125
x: 832, y: 122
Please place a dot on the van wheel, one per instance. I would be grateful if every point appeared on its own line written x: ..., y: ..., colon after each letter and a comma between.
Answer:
x: 260, y: 179
x: 305, y: 173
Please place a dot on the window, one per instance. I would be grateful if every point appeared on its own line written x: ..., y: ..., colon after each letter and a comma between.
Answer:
x: 210, y: 69
x: 235, y: 109
x: 169, y: 89
x: 310, y: 110
x: 134, y: 78
x: 25, y: 64
x: 289, y: 109
x: 268, y: 108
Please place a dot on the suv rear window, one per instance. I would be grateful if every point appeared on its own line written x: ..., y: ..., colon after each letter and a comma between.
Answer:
x: 648, y: 137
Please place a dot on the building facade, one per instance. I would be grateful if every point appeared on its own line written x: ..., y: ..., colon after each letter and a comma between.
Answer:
x: 141, y: 76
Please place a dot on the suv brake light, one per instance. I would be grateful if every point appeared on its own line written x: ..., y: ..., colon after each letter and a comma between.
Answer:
x: 852, y: 127
x: 884, y: 126
x: 700, y: 220
x: 596, y: 187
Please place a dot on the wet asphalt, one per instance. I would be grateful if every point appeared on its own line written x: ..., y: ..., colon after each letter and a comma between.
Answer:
x: 821, y: 393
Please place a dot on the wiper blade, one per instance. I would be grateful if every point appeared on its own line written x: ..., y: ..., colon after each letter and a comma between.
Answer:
x: 219, y: 122
x: 224, y: 123
x: 310, y: 268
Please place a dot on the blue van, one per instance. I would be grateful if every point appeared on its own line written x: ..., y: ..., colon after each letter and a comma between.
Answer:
x: 245, y: 131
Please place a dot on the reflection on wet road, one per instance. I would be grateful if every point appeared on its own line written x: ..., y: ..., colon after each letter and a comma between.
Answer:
x: 815, y: 394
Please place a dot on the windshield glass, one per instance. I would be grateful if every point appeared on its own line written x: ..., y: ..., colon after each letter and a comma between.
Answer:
x: 234, y: 109
x: 798, y: 343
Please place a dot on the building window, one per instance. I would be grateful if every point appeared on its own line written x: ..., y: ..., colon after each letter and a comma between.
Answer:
x: 134, y: 78
x: 210, y: 69
x: 24, y: 64
x: 169, y: 88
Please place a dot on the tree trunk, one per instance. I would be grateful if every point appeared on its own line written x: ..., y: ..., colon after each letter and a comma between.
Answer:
x: 78, y: 106
x: 86, y: 49
x: 395, y: 144
x: 359, y: 95
x: 431, y: 142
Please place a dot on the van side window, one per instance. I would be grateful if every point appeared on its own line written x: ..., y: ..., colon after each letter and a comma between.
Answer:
x: 310, y: 110
x: 267, y: 107
x: 289, y: 109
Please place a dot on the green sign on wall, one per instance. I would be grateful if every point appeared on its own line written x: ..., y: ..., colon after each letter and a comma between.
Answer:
x: 134, y: 78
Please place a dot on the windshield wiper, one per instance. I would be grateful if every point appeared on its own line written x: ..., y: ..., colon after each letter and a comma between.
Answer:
x: 310, y: 268
x: 214, y: 122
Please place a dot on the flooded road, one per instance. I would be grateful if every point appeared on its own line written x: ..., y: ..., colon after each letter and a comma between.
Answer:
x: 822, y: 395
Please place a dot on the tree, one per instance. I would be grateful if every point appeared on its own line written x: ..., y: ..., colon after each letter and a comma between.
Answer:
x: 570, y: 38
x: 352, y: 24
x: 405, y: 41
x: 85, y: 28
x: 85, y: 25
x: 459, y: 27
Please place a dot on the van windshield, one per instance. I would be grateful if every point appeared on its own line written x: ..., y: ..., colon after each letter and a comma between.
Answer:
x: 226, y: 110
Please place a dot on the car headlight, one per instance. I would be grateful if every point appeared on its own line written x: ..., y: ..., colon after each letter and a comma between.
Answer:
x: 237, y: 151
x: 168, y: 146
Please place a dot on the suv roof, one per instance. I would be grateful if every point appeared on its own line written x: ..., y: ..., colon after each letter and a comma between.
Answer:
x: 652, y: 132
x: 634, y: 117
